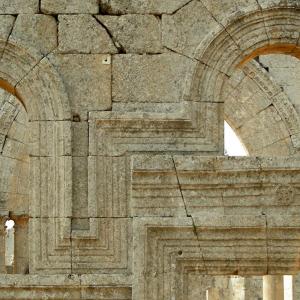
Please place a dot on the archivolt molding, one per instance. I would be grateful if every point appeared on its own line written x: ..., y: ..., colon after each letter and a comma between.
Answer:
x: 266, y: 32
x: 167, y: 249
x: 29, y: 75
x: 250, y: 94
x: 35, y: 82
x: 195, y: 186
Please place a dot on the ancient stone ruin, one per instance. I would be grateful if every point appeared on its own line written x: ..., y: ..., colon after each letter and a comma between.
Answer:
x: 113, y: 182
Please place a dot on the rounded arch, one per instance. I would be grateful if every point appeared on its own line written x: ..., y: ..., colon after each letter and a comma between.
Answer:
x: 35, y: 82
x: 267, y: 32
x: 228, y: 56
x: 266, y: 124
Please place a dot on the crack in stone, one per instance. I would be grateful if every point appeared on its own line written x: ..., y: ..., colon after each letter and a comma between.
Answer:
x: 181, y: 7
x: 8, y: 37
x: 189, y: 215
x: 116, y: 43
x: 200, y: 61
x: 180, y: 188
x: 44, y: 56
x: 225, y: 29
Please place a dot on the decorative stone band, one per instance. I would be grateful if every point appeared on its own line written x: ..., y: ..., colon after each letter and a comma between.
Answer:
x: 195, y: 129
x: 58, y: 287
x: 169, y: 253
x: 196, y: 186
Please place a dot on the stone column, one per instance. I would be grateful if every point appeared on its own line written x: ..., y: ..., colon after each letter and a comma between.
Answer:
x: 273, y: 288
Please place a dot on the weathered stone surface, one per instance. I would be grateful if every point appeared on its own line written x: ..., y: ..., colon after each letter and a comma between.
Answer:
x: 80, y: 137
x: 83, y: 34
x: 19, y: 6
x: 117, y: 130
x: 142, y: 7
x: 7, y: 23
x: 189, y: 29
x: 88, y: 81
x: 135, y: 33
x: 187, y: 186
x: 70, y: 7
x: 103, y: 287
x: 157, y: 78
x: 38, y: 32
x: 111, y: 148
x: 225, y: 11
x: 80, y: 187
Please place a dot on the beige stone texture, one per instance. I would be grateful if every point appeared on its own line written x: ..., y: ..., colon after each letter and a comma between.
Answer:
x: 7, y: 23
x: 189, y: 28
x: 226, y: 11
x: 37, y: 32
x: 83, y: 34
x: 135, y: 33
x: 19, y: 6
x: 87, y: 79
x: 157, y: 78
x: 142, y: 7
x: 69, y: 6
x: 111, y: 149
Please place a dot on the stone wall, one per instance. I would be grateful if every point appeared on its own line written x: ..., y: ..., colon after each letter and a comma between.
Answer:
x: 111, y: 139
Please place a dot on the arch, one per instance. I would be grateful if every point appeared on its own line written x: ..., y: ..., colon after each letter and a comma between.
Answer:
x: 228, y: 56
x: 266, y: 124
x: 251, y: 35
x: 35, y: 82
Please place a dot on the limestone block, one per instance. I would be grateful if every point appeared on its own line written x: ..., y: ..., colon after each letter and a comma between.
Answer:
x: 71, y: 286
x: 38, y: 32
x: 280, y: 148
x: 70, y: 6
x: 15, y: 149
x: 51, y: 187
x: 180, y: 246
x: 284, y: 229
x: 19, y: 6
x: 251, y: 37
x: 258, y: 136
x: 83, y: 34
x: 166, y: 199
x: 42, y: 88
x: 80, y: 187
x: 142, y: 7
x: 109, y: 186
x: 6, y: 25
x: 22, y: 247
x: 265, y: 4
x: 87, y: 79
x: 189, y: 186
x: 55, y: 257
x: 282, y: 32
x: 226, y: 11
x: 113, y: 133
x: 135, y: 33
x: 106, y: 293
x: 155, y: 78
x: 189, y: 29
x: 50, y: 139
x: 80, y: 137
x: 2, y: 251
x: 9, y: 112
x: 105, y: 248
